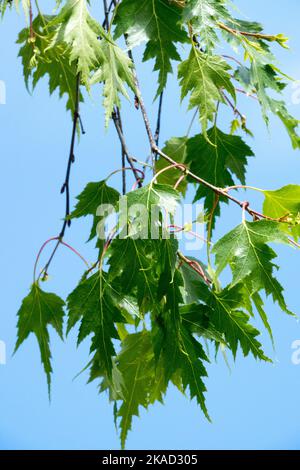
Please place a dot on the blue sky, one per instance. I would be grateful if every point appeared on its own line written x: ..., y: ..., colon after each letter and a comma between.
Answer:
x: 253, y: 406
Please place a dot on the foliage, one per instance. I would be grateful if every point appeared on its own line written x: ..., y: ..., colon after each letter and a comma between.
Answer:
x: 146, y: 307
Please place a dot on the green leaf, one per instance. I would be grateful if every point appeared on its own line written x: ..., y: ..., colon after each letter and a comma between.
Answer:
x: 133, y: 262
x: 176, y: 149
x: 98, y: 200
x: 227, y: 315
x: 40, y: 60
x: 204, y: 77
x: 143, y: 268
x: 259, y: 304
x: 176, y: 346
x: 94, y: 303
x: 282, y: 203
x: 156, y: 22
x: 192, y: 281
x: 245, y: 249
x: 196, y: 318
x: 217, y: 163
x: 204, y: 15
x: 145, y: 212
x: 192, y: 368
x: 115, y: 71
x: 262, y: 76
x: 8, y: 3
x: 38, y: 310
x: 80, y: 31
x: 136, y: 364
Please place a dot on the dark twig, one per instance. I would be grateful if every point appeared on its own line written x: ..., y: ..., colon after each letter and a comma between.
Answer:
x: 124, y: 147
x: 116, y: 116
x: 107, y: 10
x: 66, y: 185
x: 123, y: 154
x: 158, y: 123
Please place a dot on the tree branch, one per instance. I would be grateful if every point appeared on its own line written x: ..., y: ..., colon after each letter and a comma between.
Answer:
x: 267, y: 37
x: 118, y: 124
x: 66, y: 185
x: 158, y: 123
x: 154, y: 147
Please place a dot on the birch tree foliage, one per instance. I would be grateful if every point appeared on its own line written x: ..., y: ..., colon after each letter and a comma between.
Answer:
x: 152, y: 312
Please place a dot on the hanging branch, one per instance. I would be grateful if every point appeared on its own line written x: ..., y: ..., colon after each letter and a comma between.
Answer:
x: 107, y: 10
x: 155, y: 149
x: 117, y: 122
x: 116, y: 116
x: 66, y: 185
x: 123, y: 154
x: 158, y: 125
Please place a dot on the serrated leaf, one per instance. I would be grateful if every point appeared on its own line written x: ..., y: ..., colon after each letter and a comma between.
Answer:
x: 135, y: 362
x: 262, y: 76
x: 227, y: 316
x: 76, y: 28
x: 39, y: 310
x: 156, y: 22
x: 95, y: 197
x: 245, y: 249
x: 284, y: 204
x: 196, y: 318
x: 134, y: 263
x: 93, y: 302
x: 145, y: 212
x: 115, y: 72
x: 203, y: 77
x: 204, y: 15
x: 143, y: 268
x: 176, y: 149
x: 39, y: 60
x: 217, y: 163
x: 173, y: 343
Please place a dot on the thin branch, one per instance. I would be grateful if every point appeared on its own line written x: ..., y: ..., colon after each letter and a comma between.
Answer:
x: 178, y: 229
x: 219, y: 191
x: 243, y: 186
x: 233, y: 107
x: 191, y: 123
x: 230, y: 57
x: 107, y: 10
x: 124, y: 147
x: 123, y: 157
x: 116, y: 116
x: 292, y: 242
x: 195, y: 266
x: 42, y: 249
x: 158, y: 123
x: 66, y: 185
x: 249, y: 95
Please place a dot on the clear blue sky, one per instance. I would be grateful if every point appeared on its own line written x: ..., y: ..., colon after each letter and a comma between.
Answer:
x: 255, y: 406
